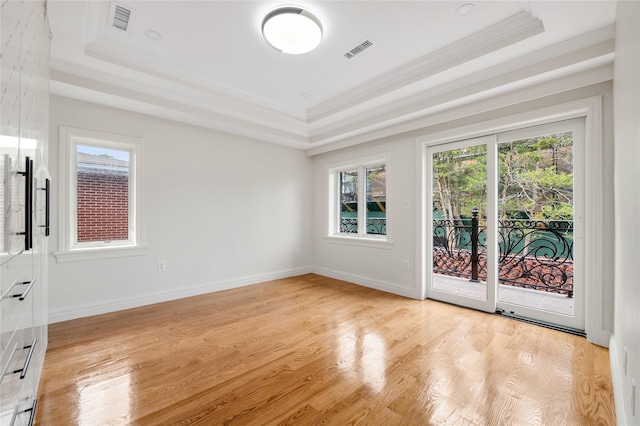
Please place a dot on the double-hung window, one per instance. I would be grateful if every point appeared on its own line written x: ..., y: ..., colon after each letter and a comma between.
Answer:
x: 100, y: 190
x: 358, y: 199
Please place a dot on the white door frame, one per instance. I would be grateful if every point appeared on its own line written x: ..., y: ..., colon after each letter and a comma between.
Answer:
x: 591, y: 110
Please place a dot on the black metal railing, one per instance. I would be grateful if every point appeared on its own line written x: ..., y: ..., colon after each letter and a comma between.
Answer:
x: 375, y: 226
x: 535, y: 254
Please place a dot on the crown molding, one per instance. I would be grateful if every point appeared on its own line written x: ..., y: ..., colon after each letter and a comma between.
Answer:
x: 223, y: 106
x: 97, y: 14
x: 586, y: 51
x: 504, y: 33
x: 356, y: 116
x: 124, y: 55
x: 98, y: 45
x: 400, y: 116
x: 455, y: 111
x: 117, y: 92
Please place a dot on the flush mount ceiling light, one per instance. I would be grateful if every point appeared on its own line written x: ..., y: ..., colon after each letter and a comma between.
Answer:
x: 292, y: 30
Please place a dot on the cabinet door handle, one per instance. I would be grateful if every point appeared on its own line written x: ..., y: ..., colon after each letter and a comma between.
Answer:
x: 28, y: 204
x: 47, y: 207
x: 27, y: 361
x: 32, y: 416
x: 24, y: 294
x: 32, y: 411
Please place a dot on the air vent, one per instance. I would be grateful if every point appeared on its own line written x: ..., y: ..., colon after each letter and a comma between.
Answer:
x: 121, y: 18
x: 359, y: 48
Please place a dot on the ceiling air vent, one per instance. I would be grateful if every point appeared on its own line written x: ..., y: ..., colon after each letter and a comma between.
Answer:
x: 121, y: 18
x: 359, y: 48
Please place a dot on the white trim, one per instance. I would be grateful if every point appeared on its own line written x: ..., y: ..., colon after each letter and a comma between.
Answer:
x: 69, y: 249
x: 363, y: 241
x: 465, y: 90
x: 617, y: 378
x: 381, y: 285
x: 123, y: 54
x: 566, y: 111
x: 99, y: 45
x: 333, y: 201
x: 421, y: 196
x: 591, y: 109
x: 361, y: 114
x: 369, y: 160
x: 511, y: 30
x: 593, y: 223
x: 95, y: 86
x: 113, y: 305
x: 97, y: 253
x: 451, y: 106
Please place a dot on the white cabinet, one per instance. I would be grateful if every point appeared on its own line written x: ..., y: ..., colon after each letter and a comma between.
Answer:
x: 24, y: 196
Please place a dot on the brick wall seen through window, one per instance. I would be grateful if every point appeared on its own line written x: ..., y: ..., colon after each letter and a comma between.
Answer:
x: 102, y: 195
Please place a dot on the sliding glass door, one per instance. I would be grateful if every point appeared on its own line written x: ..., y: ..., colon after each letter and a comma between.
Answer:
x: 505, y: 227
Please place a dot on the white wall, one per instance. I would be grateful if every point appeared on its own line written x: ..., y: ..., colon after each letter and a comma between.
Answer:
x: 627, y: 206
x: 383, y: 268
x: 221, y: 210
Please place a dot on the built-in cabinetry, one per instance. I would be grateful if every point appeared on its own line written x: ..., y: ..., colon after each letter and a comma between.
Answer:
x: 24, y: 202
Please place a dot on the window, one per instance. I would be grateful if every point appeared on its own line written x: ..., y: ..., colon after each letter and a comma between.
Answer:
x: 358, y: 200
x: 100, y: 195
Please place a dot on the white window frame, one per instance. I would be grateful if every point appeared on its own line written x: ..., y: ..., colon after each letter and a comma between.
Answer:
x: 334, y: 193
x: 69, y: 249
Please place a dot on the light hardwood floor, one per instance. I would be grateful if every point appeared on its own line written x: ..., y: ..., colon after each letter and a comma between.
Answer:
x: 311, y: 350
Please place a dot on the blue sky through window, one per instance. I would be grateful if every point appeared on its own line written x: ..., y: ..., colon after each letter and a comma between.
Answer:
x: 112, y: 153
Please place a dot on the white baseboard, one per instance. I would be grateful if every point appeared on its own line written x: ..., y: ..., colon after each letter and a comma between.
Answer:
x: 603, y: 338
x: 366, y: 281
x: 617, y: 377
x: 90, y: 309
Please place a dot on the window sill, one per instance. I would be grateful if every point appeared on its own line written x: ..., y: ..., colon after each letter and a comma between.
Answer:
x: 84, y: 254
x: 359, y: 241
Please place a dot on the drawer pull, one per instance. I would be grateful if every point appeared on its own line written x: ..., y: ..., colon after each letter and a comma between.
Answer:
x: 32, y: 411
x: 32, y: 416
x: 27, y: 361
x: 23, y: 295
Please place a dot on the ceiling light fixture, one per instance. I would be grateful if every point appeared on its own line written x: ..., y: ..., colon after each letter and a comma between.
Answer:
x: 292, y: 30
x: 464, y: 9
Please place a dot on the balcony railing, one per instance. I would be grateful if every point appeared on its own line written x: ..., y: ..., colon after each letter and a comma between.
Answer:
x: 534, y: 254
x: 375, y: 226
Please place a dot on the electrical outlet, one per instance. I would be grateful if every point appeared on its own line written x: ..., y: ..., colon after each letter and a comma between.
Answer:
x: 406, y: 264
x: 406, y: 204
x: 297, y: 252
x: 162, y: 266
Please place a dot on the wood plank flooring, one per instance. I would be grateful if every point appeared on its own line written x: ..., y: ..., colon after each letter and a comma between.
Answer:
x: 311, y: 350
